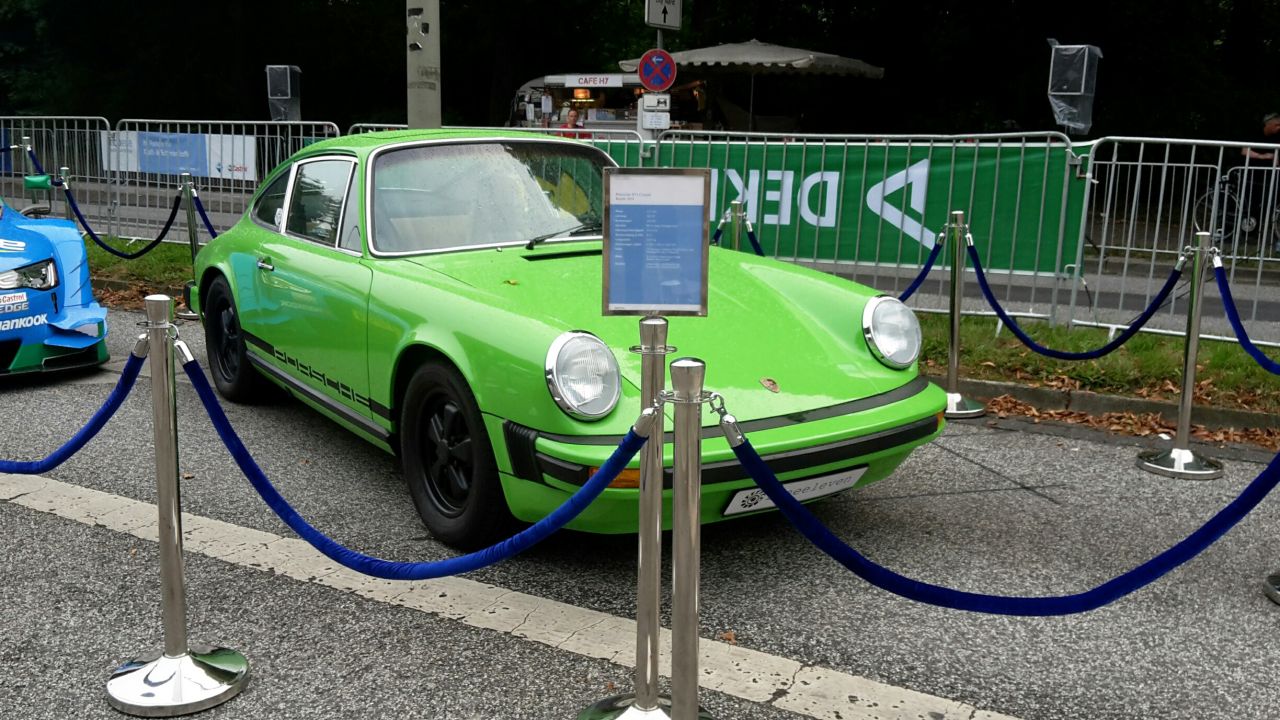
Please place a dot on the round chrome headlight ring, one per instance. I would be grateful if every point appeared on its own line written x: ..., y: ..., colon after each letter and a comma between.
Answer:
x: 892, y: 332
x: 582, y: 375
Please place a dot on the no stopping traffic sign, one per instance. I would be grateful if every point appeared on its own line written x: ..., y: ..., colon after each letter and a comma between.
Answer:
x: 657, y: 70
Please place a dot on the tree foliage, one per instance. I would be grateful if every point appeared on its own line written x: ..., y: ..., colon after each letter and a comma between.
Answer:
x: 1198, y: 68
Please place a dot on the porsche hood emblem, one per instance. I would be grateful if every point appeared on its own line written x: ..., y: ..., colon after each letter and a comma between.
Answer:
x: 769, y: 384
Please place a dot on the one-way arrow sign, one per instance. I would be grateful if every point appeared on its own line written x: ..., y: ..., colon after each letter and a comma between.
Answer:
x: 663, y: 14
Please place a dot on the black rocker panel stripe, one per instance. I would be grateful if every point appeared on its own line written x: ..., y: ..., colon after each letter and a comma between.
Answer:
x: 306, y: 370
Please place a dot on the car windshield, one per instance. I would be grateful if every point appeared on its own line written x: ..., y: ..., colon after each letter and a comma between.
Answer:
x: 439, y: 197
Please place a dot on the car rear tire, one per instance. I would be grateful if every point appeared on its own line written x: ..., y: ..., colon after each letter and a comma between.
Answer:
x: 229, y: 365
x: 448, y: 460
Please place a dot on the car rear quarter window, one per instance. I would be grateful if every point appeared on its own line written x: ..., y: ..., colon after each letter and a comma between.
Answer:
x: 315, y: 205
x: 270, y: 207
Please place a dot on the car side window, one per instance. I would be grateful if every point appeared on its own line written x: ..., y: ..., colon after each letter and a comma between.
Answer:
x: 270, y: 207
x: 315, y: 205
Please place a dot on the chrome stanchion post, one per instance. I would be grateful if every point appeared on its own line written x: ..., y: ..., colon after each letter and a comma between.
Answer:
x: 1180, y: 461
x: 188, y: 195
x: 180, y: 679
x: 646, y: 703
x: 958, y: 406
x: 64, y: 172
x: 188, y: 190
x: 27, y: 169
x: 737, y: 214
x: 687, y: 375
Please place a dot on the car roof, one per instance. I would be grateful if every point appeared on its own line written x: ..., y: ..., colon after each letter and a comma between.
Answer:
x: 364, y: 142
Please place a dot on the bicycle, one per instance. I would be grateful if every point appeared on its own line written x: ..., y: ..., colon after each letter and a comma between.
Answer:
x: 1237, y: 219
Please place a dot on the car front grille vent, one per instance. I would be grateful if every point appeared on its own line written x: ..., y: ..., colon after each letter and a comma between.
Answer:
x: 8, y: 351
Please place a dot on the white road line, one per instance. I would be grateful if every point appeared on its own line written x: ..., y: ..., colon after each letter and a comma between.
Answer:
x: 756, y: 676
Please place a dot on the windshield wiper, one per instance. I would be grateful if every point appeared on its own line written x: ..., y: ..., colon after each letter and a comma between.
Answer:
x: 580, y: 228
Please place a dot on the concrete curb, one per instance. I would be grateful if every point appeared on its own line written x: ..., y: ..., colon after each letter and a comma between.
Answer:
x: 1098, y: 403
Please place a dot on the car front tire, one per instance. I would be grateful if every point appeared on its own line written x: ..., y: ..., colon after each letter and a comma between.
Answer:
x: 229, y: 365
x: 448, y: 460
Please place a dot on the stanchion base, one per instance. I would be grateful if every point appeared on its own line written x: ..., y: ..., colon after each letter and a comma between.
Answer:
x: 1180, y: 463
x: 186, y: 315
x: 621, y: 707
x: 159, y: 686
x: 1271, y: 587
x: 960, y: 407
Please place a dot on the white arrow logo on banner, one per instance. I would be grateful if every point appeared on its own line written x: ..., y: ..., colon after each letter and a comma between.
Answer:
x: 917, y: 177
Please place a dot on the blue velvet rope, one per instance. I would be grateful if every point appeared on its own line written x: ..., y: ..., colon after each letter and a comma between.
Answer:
x: 204, y: 217
x: 75, y: 208
x: 1233, y: 315
x: 35, y: 162
x: 1112, y: 590
x: 1115, y: 343
x: 387, y: 569
x: 924, y: 271
x: 715, y: 236
x: 86, y: 433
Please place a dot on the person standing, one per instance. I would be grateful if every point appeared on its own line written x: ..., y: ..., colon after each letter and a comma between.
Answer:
x: 1260, y: 183
x: 573, y: 122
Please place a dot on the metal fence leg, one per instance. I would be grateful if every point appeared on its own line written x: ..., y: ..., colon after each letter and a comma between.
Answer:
x: 1180, y: 461
x: 958, y: 406
x: 180, y: 679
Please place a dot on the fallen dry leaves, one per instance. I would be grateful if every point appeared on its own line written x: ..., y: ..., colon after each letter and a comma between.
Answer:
x: 1136, y: 424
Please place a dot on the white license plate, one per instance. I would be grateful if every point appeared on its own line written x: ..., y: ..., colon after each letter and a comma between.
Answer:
x: 755, y: 499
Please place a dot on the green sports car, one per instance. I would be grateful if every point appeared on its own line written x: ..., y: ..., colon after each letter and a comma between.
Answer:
x: 439, y: 294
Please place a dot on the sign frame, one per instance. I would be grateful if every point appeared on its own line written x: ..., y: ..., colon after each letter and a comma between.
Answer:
x: 653, y: 14
x: 646, y: 179
x: 661, y: 56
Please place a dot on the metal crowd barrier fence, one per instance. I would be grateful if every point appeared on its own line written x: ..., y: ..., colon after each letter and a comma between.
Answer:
x: 1069, y: 233
x: 1147, y: 199
x: 60, y: 141
x: 228, y: 159
x: 871, y: 207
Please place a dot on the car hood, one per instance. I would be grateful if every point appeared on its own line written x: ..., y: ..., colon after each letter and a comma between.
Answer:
x: 21, y: 246
x: 24, y: 241
x: 769, y: 323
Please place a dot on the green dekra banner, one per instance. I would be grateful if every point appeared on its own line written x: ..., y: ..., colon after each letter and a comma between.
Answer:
x: 889, y: 202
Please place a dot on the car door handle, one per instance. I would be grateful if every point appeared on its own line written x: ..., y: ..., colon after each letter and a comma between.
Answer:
x: 264, y: 265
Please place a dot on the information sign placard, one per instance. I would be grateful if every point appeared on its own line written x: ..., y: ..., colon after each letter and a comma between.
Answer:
x: 656, y: 231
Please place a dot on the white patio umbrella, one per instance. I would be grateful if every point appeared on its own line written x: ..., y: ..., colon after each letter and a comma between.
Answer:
x: 756, y: 58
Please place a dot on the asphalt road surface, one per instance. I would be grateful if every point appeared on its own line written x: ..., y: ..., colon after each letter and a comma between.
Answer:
x: 993, y: 507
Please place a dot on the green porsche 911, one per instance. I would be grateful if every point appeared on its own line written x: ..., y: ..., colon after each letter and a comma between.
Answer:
x: 438, y: 293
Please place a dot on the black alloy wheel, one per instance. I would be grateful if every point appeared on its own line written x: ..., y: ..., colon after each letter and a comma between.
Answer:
x: 448, y: 461
x: 234, y: 377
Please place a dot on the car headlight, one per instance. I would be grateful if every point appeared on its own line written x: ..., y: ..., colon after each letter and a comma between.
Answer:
x: 583, y: 375
x: 37, y: 276
x: 892, y: 331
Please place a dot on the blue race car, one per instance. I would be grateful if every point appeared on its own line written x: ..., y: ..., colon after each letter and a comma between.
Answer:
x: 49, y: 319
